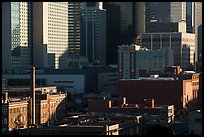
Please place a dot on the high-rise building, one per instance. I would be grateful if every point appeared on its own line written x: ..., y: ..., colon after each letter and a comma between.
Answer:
x: 16, y: 35
x: 50, y: 34
x: 167, y: 11
x: 197, y: 22
x: 189, y: 17
x: 125, y: 21
x: 74, y: 27
x: 93, y: 32
x: 147, y: 18
x: 194, y: 20
x: 182, y: 44
x: 199, y: 66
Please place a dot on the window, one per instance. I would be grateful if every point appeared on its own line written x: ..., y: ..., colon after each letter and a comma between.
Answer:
x: 91, y: 4
x: 198, y: 120
x: 4, y: 111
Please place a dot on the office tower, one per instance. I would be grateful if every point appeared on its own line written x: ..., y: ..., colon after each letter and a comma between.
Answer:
x: 74, y: 27
x: 16, y: 35
x: 199, y: 66
x: 125, y: 21
x: 167, y: 11
x: 189, y: 17
x: 140, y: 17
x: 50, y: 34
x: 194, y: 20
x: 182, y: 44
x: 197, y: 22
x: 93, y: 32
x: 147, y: 18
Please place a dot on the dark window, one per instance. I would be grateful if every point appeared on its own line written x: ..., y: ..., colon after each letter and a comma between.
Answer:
x: 91, y: 4
x: 198, y: 120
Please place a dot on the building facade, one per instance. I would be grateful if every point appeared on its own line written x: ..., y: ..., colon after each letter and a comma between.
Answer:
x: 194, y: 20
x: 17, y: 43
x: 14, y: 113
x: 167, y: 27
x: 50, y: 33
x: 50, y: 106
x: 182, y: 44
x: 93, y: 32
x: 74, y: 27
x: 125, y: 21
x: 72, y: 80
x: 164, y: 91
x: 167, y: 11
x: 131, y: 61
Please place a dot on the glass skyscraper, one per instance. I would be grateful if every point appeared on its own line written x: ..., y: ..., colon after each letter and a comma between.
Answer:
x: 125, y: 21
x: 17, y: 35
x: 93, y: 32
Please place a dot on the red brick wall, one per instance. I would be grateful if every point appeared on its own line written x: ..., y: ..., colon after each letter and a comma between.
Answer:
x: 163, y: 92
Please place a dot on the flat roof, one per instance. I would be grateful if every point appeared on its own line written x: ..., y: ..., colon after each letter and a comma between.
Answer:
x: 151, y: 78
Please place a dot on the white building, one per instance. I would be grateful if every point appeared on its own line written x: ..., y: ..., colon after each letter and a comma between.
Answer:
x: 132, y: 60
x: 72, y: 83
x: 182, y: 44
x: 93, y: 32
x: 50, y: 33
x: 72, y: 80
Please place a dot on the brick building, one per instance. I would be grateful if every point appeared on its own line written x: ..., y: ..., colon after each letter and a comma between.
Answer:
x: 165, y: 114
x: 14, y: 113
x: 49, y: 108
x: 166, y: 91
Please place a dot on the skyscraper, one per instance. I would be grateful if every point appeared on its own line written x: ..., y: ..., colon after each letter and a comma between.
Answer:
x: 197, y: 23
x: 17, y: 35
x: 189, y: 17
x: 167, y: 11
x: 194, y: 20
x: 125, y: 21
x: 74, y: 27
x: 50, y: 34
x: 93, y: 32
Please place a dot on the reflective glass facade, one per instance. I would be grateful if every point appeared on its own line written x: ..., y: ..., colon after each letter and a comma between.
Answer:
x: 15, y: 26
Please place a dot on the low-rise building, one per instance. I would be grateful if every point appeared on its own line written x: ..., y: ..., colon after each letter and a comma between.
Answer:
x: 49, y: 107
x: 14, y: 113
x: 73, y: 80
x: 92, y: 125
x: 165, y: 91
x: 165, y: 114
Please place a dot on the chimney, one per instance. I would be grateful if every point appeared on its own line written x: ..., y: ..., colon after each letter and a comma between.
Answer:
x: 5, y: 96
x: 152, y: 103
x: 32, y: 96
x: 145, y: 102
